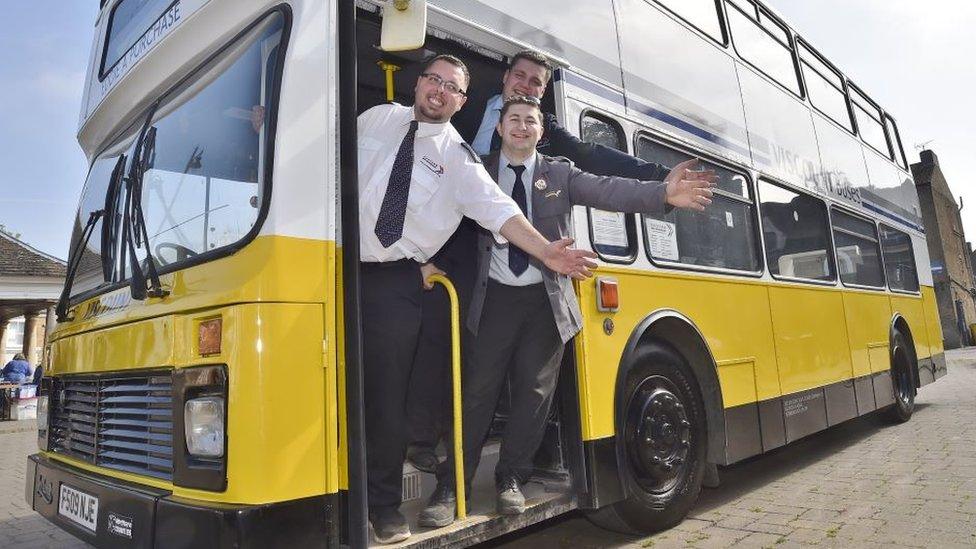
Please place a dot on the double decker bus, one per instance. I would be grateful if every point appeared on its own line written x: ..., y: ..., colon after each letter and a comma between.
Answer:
x: 204, y: 382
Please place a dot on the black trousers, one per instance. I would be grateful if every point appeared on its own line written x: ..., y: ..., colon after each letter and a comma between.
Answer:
x: 392, y: 310
x: 517, y: 338
x: 429, y: 412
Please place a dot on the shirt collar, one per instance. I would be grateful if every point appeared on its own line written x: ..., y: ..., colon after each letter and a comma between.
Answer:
x: 504, y: 162
x: 495, y: 103
x: 425, y: 129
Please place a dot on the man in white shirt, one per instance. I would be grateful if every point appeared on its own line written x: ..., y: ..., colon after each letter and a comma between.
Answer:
x: 417, y: 179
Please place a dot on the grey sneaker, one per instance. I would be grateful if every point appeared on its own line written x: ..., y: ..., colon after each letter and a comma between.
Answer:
x: 441, y: 509
x: 389, y: 525
x: 510, y: 498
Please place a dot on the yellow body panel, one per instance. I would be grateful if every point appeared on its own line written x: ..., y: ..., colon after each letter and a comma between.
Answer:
x: 732, y: 314
x: 283, y: 413
x: 910, y: 307
x: 868, y: 318
x: 932, y: 323
x: 811, y: 336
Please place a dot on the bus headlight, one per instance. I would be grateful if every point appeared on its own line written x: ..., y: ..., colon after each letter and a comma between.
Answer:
x: 204, y: 426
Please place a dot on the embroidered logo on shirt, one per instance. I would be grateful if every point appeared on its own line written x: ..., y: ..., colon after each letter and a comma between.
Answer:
x: 540, y: 184
x: 434, y: 167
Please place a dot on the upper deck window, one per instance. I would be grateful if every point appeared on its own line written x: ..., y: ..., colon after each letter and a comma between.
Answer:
x: 130, y: 20
x: 825, y: 86
x: 764, y: 42
x: 896, y: 145
x: 869, y: 123
x: 701, y: 14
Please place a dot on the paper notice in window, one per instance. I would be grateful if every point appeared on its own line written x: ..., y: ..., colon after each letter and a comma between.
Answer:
x: 609, y: 228
x: 662, y: 239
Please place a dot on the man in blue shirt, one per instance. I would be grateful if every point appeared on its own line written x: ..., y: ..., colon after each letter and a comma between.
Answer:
x: 17, y: 370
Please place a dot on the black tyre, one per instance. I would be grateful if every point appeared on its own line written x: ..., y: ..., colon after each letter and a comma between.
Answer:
x: 902, y: 380
x: 661, y: 444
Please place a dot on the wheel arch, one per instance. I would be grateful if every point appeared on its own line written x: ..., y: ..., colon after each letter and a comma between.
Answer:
x: 900, y: 325
x: 679, y: 332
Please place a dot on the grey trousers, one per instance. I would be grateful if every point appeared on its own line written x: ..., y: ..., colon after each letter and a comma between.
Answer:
x: 517, y: 338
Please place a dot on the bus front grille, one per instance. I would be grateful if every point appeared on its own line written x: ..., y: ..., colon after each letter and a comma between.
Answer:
x: 122, y: 422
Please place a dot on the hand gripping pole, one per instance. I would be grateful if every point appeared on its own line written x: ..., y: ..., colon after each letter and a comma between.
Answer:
x: 462, y: 511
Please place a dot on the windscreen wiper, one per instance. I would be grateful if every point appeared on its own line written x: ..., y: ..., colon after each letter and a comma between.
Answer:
x: 63, y: 301
x: 110, y: 229
x: 134, y: 229
x: 61, y: 310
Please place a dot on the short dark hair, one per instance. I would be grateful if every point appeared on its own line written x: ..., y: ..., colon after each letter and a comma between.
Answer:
x: 452, y: 60
x: 519, y: 100
x: 534, y: 57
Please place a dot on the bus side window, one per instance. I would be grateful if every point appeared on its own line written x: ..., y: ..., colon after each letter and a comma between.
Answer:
x: 796, y: 232
x: 899, y: 259
x: 723, y: 236
x: 896, y: 142
x: 764, y: 42
x: 704, y: 15
x: 868, y: 117
x: 858, y: 253
x: 825, y: 87
x: 613, y: 234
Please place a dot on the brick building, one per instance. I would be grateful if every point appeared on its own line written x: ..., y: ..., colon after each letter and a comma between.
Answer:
x: 952, y: 269
x: 30, y: 283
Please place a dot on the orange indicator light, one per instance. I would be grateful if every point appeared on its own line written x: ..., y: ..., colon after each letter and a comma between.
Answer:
x: 208, y: 337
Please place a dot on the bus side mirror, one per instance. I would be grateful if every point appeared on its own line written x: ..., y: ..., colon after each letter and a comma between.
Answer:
x: 404, y: 25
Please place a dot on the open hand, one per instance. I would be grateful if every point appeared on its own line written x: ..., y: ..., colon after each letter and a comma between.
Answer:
x: 428, y: 270
x: 575, y: 263
x: 688, y: 187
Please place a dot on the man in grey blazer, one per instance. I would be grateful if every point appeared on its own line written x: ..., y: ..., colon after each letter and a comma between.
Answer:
x: 522, y: 314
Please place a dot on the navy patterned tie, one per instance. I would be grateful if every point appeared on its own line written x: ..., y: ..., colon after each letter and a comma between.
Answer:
x: 518, y: 260
x: 389, y: 223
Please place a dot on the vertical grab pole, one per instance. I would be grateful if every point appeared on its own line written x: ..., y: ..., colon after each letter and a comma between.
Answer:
x: 462, y: 511
x: 389, y: 69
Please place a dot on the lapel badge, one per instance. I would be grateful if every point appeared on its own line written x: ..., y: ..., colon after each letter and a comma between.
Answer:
x: 540, y: 184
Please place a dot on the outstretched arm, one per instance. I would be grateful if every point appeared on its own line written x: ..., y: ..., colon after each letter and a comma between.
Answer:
x: 557, y: 255
x: 684, y: 187
x: 598, y: 159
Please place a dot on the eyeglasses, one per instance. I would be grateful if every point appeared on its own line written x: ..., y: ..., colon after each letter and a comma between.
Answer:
x: 450, y: 87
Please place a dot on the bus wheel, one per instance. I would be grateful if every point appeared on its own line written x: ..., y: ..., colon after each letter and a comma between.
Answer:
x: 661, y: 445
x: 901, y: 380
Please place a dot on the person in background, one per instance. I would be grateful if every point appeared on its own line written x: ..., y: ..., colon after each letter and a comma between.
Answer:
x: 17, y: 370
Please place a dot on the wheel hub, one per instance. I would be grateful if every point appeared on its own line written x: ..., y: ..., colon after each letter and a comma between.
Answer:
x: 660, y: 434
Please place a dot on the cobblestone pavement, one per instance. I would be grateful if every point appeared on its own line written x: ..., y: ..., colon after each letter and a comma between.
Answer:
x: 864, y: 484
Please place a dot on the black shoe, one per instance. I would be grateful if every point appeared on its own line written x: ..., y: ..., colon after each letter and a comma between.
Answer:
x: 423, y: 458
x: 510, y: 498
x: 389, y: 525
x: 441, y: 508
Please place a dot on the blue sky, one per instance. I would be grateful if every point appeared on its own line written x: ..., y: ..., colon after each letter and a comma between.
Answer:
x: 45, y: 46
x: 912, y: 58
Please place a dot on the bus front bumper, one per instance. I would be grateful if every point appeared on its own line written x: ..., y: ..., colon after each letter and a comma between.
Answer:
x: 107, y: 512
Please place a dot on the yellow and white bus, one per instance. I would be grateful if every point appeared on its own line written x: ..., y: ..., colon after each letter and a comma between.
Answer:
x: 204, y: 381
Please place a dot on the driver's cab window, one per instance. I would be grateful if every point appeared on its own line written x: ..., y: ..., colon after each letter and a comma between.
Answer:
x: 206, y: 154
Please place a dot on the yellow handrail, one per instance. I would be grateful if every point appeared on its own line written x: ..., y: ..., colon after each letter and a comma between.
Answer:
x: 462, y: 511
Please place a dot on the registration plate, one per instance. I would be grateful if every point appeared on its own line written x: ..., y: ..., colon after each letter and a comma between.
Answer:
x: 78, y: 507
